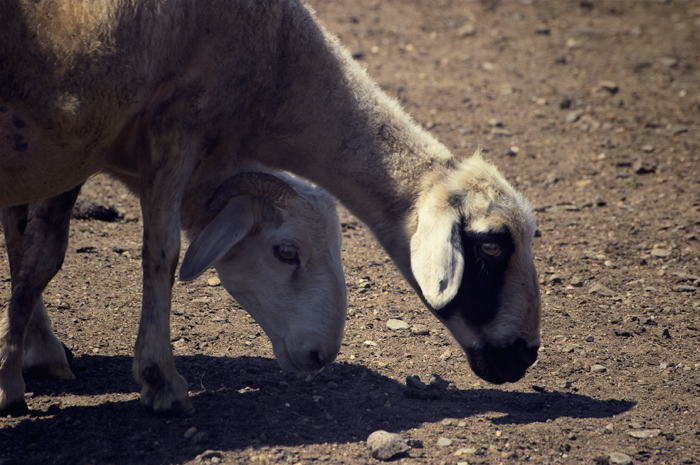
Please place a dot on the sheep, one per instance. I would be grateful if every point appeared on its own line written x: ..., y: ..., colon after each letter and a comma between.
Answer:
x: 274, y: 240
x: 172, y: 88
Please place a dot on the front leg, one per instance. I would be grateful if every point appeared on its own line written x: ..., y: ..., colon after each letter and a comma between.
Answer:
x: 162, y: 183
x: 36, y: 240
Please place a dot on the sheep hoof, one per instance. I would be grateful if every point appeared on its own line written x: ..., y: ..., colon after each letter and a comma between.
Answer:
x: 17, y: 408
x: 165, y: 396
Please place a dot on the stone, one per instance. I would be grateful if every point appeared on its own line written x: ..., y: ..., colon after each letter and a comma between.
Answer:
x: 200, y: 438
x: 214, y: 281
x: 466, y: 31
x: 601, y: 290
x: 191, y: 431
x: 574, y: 116
x: 385, y: 445
x: 213, y: 456
x: 444, y: 442
x: 618, y: 458
x: 598, y: 369
x: 415, y: 383
x: 644, y: 433
x: 420, y: 330
x: 395, y: 324
x: 685, y: 289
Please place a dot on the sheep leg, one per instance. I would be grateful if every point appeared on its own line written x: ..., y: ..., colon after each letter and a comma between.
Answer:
x: 164, y: 390
x: 36, y: 240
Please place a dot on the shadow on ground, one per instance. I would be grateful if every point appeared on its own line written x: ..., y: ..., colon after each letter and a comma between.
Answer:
x: 249, y: 402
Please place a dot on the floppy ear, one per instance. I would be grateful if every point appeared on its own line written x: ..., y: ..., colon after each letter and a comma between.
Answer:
x: 437, y: 259
x: 231, y: 225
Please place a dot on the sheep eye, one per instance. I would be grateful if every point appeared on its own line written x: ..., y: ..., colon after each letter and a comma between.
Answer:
x: 491, y: 249
x: 287, y: 254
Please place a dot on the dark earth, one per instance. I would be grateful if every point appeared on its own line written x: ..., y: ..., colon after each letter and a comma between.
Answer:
x: 590, y: 108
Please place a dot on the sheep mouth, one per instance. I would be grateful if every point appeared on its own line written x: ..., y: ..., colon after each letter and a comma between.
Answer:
x: 308, y: 361
x: 499, y: 365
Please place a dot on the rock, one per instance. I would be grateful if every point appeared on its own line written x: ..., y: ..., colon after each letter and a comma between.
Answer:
x: 200, y: 438
x: 589, y: 338
x: 601, y: 290
x: 420, y: 330
x: 669, y: 62
x: 444, y: 442
x: 131, y: 218
x: 385, y: 445
x: 641, y: 167
x: 395, y: 324
x: 644, y: 433
x: 214, y: 281
x: 598, y: 369
x: 415, y: 383
x: 609, y: 86
x: 415, y: 443
x: 574, y: 116
x: 213, y: 456
x: 466, y: 31
x: 618, y: 458
x: 446, y: 355
x: 661, y: 253
x: 685, y: 289
x: 191, y: 431
x: 576, y: 281
x: 677, y: 129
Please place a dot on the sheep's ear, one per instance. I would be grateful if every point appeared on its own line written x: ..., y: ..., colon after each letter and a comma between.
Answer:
x: 231, y: 225
x: 437, y: 259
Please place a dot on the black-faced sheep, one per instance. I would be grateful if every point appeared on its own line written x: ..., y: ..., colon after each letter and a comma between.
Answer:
x: 179, y: 92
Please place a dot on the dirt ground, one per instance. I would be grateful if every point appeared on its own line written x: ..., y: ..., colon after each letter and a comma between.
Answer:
x: 590, y: 108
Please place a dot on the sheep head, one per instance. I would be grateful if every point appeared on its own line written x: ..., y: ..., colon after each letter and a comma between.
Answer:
x: 471, y: 256
x: 275, y: 244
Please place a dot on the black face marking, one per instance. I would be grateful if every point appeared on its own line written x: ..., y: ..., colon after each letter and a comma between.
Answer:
x: 479, y: 294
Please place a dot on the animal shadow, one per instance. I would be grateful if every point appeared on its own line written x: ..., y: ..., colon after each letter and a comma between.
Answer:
x: 249, y: 402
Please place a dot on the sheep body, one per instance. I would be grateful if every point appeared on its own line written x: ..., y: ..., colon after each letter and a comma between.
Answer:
x: 196, y: 87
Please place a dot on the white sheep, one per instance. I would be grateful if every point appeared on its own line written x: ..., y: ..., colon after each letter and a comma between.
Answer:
x: 274, y: 240
x: 170, y: 90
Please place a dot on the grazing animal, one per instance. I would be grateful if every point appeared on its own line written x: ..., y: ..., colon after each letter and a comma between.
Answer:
x: 273, y: 239
x: 179, y: 92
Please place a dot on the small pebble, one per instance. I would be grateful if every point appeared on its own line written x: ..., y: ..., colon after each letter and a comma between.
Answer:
x: 415, y: 382
x: 191, y: 431
x: 598, y: 369
x: 685, y: 289
x: 394, y: 324
x: 385, y: 445
x: 200, y: 438
x: 589, y: 338
x: 574, y: 116
x: 618, y: 458
x: 645, y: 433
x: 214, y: 281
x: 420, y: 330
x: 444, y: 442
x: 601, y: 290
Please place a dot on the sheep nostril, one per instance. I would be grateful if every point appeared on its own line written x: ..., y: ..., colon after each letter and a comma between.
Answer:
x: 316, y: 357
